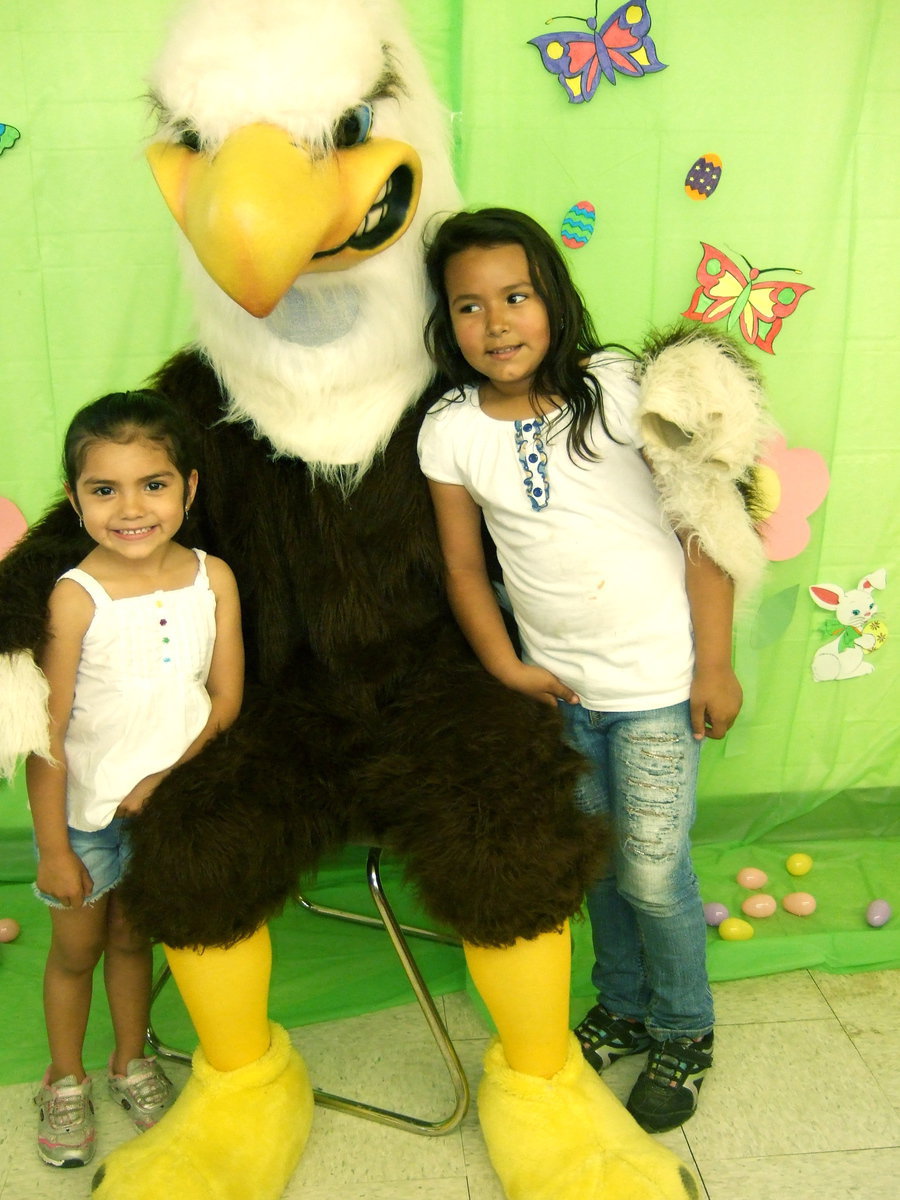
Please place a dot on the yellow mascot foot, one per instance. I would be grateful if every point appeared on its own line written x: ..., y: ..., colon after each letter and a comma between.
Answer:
x: 229, y: 1136
x: 569, y: 1138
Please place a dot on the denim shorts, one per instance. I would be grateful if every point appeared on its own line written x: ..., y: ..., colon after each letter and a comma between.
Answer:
x: 105, y: 852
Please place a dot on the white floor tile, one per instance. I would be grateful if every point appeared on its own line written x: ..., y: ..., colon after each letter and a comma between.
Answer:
x: 423, y: 1189
x: 869, y: 1000
x: 862, y: 1175
x: 881, y: 1054
x: 789, y: 997
x: 388, y: 1059
x: 463, y: 1018
x: 790, y: 1087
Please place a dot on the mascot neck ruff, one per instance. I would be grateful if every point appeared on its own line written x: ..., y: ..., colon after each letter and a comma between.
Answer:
x: 302, y: 193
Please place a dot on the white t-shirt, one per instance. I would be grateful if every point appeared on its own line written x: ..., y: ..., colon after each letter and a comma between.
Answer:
x: 594, y: 573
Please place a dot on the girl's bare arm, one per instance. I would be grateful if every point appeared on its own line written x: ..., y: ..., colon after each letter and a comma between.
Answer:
x: 60, y: 872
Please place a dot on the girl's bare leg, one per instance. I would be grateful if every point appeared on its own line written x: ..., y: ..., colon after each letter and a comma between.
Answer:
x: 77, y: 942
x: 127, y: 971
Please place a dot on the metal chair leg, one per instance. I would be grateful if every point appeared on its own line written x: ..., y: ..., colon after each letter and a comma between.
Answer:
x: 397, y: 933
x: 160, y: 1047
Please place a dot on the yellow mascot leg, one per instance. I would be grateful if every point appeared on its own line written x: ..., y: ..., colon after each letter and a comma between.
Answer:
x: 226, y: 993
x: 553, y: 1129
x: 240, y: 1125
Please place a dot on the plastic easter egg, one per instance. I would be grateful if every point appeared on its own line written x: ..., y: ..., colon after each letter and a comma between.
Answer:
x: 9, y: 929
x: 736, y: 930
x: 703, y: 177
x: 879, y: 632
x: 715, y: 913
x: 752, y: 877
x: 759, y: 905
x: 798, y: 864
x: 878, y: 913
x: 801, y: 904
x: 578, y: 225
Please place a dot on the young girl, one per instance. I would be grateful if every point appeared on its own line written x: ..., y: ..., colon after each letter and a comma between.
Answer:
x: 616, y: 621
x: 144, y: 659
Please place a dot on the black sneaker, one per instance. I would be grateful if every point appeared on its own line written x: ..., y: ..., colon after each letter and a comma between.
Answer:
x: 665, y: 1093
x: 604, y: 1038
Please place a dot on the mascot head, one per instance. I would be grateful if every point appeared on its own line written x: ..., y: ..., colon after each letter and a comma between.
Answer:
x: 302, y: 151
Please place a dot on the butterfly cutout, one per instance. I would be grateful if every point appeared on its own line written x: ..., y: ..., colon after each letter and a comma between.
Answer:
x: 579, y: 59
x: 755, y: 306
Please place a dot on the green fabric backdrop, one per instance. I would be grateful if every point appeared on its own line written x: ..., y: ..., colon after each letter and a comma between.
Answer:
x: 801, y: 104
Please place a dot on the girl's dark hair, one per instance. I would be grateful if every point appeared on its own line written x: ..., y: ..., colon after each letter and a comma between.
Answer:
x: 124, y: 417
x: 573, y: 339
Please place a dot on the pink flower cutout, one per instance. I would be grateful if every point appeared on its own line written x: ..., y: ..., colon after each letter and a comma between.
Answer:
x: 792, y: 484
x: 12, y: 525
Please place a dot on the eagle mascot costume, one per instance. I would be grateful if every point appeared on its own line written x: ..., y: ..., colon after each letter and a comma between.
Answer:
x: 302, y: 152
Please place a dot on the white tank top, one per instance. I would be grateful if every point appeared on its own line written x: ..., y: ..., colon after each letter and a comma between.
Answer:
x: 140, y: 694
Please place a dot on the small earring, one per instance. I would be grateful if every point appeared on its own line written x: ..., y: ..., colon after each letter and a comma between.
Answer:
x: 80, y: 522
x: 187, y: 513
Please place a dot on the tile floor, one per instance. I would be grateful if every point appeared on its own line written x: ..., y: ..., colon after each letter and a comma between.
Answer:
x: 804, y: 1103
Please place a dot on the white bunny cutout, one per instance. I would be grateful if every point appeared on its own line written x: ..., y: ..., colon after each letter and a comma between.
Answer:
x: 844, y: 657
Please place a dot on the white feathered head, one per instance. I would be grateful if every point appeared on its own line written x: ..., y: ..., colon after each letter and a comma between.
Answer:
x: 302, y: 150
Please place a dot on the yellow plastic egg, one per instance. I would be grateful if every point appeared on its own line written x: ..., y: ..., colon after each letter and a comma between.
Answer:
x: 735, y: 930
x: 759, y: 905
x: 798, y: 864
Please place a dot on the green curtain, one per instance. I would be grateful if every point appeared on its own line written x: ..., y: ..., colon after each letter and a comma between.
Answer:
x: 800, y: 102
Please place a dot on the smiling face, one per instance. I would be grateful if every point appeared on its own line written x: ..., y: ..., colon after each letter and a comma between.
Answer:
x: 499, y: 320
x: 131, y: 497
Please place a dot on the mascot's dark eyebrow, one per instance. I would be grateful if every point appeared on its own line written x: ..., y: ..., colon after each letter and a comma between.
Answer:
x: 388, y: 87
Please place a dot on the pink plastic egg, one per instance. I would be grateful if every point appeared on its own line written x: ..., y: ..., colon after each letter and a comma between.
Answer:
x: 9, y: 929
x: 801, y: 904
x: 752, y: 877
x: 736, y: 930
x: 715, y: 913
x: 878, y: 913
x: 760, y: 905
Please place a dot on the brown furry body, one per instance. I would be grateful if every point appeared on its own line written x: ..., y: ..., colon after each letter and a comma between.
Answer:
x: 366, y: 714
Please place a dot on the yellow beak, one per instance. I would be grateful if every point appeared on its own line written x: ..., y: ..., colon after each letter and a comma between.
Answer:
x: 263, y: 211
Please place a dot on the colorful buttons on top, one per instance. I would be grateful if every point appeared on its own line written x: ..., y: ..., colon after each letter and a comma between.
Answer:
x: 164, y: 621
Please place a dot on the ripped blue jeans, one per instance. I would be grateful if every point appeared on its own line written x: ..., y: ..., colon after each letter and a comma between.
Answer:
x: 647, y: 921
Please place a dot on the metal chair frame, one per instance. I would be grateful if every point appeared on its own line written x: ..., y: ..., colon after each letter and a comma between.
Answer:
x: 398, y: 934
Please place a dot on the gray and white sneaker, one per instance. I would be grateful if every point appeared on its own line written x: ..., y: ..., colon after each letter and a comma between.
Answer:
x: 144, y: 1091
x: 65, y: 1122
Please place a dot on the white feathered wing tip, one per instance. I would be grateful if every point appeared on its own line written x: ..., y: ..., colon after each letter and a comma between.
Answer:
x: 705, y: 423
x: 329, y: 374
x: 24, y: 716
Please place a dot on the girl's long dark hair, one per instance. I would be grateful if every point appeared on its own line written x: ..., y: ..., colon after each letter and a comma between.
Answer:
x: 573, y: 339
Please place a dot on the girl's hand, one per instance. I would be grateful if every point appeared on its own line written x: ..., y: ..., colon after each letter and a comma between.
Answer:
x: 716, y: 699
x: 539, y: 684
x: 132, y: 804
x: 65, y: 878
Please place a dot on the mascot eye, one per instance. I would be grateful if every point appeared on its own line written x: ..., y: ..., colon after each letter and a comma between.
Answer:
x: 354, y: 126
x: 190, y: 138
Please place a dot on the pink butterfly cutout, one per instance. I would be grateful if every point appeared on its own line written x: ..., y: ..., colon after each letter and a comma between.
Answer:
x: 756, y: 306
